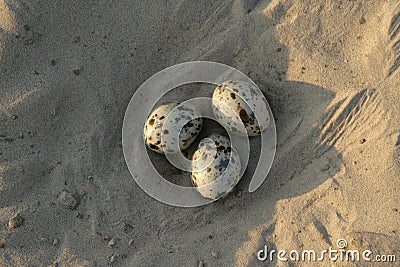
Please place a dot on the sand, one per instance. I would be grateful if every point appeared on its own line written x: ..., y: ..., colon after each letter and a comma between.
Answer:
x: 329, y: 69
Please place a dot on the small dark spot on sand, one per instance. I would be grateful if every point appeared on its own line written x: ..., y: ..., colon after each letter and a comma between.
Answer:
x: 128, y: 228
x: 77, y: 71
x: 28, y: 41
x: 151, y: 122
x: 15, y: 221
x: 68, y: 200
x: 6, y: 139
x: 238, y: 193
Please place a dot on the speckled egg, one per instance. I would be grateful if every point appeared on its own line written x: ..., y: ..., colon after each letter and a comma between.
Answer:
x: 154, y: 132
x: 239, y: 101
x: 218, y: 178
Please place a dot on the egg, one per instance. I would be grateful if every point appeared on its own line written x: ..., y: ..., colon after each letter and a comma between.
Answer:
x: 236, y: 102
x: 217, y: 178
x: 153, y: 130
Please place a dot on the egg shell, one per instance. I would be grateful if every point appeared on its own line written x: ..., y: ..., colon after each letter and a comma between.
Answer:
x: 161, y: 140
x: 239, y: 101
x: 217, y: 179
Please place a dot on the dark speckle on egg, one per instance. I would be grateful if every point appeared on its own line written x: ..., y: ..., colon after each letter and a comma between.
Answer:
x: 153, y: 146
x: 225, y: 163
x: 243, y: 98
x: 153, y: 128
x: 243, y: 115
x: 209, y: 184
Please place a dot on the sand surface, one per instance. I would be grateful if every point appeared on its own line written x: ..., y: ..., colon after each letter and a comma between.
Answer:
x: 329, y: 69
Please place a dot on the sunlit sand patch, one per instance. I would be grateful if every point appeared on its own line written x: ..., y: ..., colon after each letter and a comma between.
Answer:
x: 248, y: 250
x: 7, y: 212
x: 271, y: 8
x: 9, y: 102
x: 7, y: 18
x: 7, y: 24
x: 67, y: 258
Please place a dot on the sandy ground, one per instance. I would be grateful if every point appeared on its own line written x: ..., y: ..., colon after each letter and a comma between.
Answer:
x: 329, y: 69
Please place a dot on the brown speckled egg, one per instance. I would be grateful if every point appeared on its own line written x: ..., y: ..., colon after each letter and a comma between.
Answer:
x: 246, y: 101
x: 153, y: 129
x: 218, y: 178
